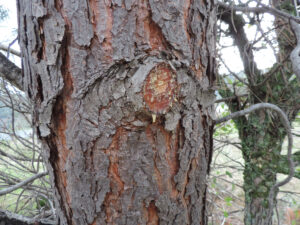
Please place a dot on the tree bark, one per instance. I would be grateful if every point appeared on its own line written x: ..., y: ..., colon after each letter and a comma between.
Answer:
x: 122, y: 94
x: 10, y: 72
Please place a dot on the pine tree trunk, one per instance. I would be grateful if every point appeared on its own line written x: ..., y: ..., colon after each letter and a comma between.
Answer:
x: 122, y: 94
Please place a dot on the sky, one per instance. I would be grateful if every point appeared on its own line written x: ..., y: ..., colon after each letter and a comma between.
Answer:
x: 264, y: 58
x: 8, y: 28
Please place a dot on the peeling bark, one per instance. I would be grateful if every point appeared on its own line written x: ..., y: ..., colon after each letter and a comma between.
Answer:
x: 123, y: 106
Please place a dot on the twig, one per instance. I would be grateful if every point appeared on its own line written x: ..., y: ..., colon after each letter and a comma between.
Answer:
x: 230, y: 98
x: 23, y: 183
x: 261, y: 9
x: 5, y: 48
x: 9, y: 45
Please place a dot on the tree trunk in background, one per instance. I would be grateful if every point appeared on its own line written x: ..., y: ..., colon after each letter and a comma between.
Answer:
x: 261, y: 145
x: 122, y: 94
x: 261, y: 133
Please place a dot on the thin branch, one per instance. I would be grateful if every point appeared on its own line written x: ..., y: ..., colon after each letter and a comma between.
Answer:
x: 261, y: 9
x: 297, y: 135
x: 5, y: 48
x: 23, y: 183
x: 230, y: 98
x: 9, y: 46
x: 15, y: 158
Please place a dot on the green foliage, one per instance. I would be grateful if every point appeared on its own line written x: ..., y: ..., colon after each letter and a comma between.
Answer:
x: 288, y: 7
x: 229, y: 127
x: 229, y: 174
x: 225, y: 213
x: 228, y: 201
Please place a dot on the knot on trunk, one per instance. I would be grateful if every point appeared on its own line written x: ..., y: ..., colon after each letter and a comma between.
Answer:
x: 160, y: 88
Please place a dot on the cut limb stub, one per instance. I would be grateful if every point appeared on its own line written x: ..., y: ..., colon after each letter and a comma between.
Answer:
x: 160, y: 88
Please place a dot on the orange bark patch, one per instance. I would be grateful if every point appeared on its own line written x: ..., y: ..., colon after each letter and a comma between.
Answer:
x: 198, y: 72
x: 148, y: 32
x: 61, y: 126
x: 95, y: 11
x: 172, y: 159
x: 152, y: 214
x: 59, y: 122
x: 157, y: 174
x: 106, y: 44
x: 165, y: 183
x: 97, y: 19
x: 186, y: 18
x: 160, y: 89
x: 156, y: 37
x: 111, y: 201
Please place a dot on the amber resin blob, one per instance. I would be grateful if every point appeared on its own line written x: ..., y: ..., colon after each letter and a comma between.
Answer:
x: 160, y: 88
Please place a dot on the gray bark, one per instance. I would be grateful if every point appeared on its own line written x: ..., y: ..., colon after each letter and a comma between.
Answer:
x: 123, y: 95
x: 10, y: 72
x: 295, y: 54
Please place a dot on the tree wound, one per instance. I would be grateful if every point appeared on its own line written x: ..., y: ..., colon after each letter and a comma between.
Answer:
x: 160, y: 88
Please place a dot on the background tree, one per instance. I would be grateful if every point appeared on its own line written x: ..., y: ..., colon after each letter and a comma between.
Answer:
x: 261, y: 133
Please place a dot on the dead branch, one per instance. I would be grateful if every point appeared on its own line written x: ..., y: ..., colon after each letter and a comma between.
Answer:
x: 23, y: 183
x: 8, y: 49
